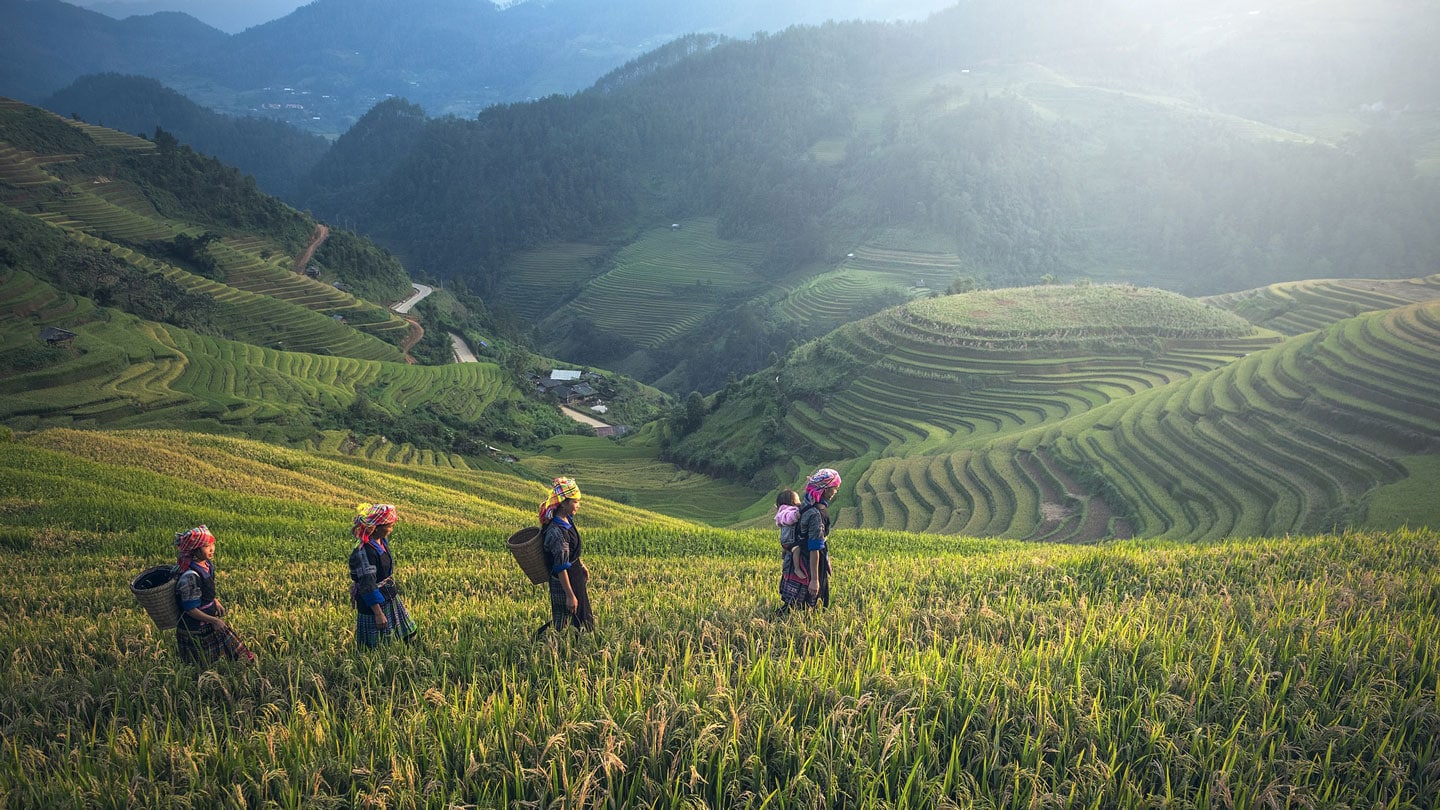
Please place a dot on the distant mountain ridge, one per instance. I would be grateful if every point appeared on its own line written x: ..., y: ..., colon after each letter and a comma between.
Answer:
x: 838, y: 169
x: 325, y: 64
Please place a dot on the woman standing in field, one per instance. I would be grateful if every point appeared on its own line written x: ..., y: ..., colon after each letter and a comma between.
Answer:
x: 811, y: 532
x: 202, y: 636
x: 792, y: 555
x: 380, y: 615
x: 569, y: 598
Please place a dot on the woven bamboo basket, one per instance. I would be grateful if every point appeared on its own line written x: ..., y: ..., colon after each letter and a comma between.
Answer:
x: 154, y: 589
x: 526, y: 547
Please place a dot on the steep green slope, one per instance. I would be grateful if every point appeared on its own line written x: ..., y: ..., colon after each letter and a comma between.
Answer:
x: 152, y: 196
x: 1294, y: 308
x: 121, y: 371
x: 947, y: 372
x: 1293, y: 438
x: 277, y: 155
x: 152, y: 477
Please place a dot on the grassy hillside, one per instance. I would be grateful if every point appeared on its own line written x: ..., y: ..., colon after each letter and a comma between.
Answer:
x: 1294, y: 438
x: 147, y: 198
x: 941, y: 373
x: 1069, y: 414
x: 1296, y: 307
x: 186, y: 289
x: 121, y: 371
x: 664, y: 283
x: 1242, y: 672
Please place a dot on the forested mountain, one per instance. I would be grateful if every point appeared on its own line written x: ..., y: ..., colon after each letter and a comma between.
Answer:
x: 325, y: 64
x: 46, y: 44
x: 276, y: 154
x: 835, y: 168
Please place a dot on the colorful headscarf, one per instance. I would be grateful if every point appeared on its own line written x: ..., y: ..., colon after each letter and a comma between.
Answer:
x: 563, y: 488
x: 188, y: 542
x: 823, y: 479
x: 368, y: 517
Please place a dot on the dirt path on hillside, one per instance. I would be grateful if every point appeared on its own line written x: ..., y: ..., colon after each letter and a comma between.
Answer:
x: 581, y: 418
x: 303, y: 260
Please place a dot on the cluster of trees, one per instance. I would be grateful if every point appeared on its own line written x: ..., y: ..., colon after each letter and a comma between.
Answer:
x: 189, y: 252
x: 107, y: 280
x: 367, y: 270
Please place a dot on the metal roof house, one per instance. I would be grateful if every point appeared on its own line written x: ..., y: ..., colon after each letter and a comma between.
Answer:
x: 54, y: 334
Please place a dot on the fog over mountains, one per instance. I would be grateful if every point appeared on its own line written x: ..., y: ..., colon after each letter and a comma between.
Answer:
x: 322, y: 66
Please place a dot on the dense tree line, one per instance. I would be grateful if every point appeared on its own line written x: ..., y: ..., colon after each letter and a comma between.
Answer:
x: 367, y: 270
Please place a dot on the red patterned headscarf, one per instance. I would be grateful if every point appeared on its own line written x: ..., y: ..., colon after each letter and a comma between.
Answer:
x: 562, y: 489
x: 823, y: 479
x: 370, y: 516
x: 188, y: 542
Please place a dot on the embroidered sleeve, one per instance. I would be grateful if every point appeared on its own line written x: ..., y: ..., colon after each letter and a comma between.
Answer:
x: 557, y: 543
x: 362, y: 572
x: 187, y: 590
x: 812, y: 528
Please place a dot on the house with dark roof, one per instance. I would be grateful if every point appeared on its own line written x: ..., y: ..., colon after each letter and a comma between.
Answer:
x: 54, y: 335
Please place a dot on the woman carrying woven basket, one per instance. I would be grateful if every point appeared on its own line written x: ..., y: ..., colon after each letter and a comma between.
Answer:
x: 202, y: 635
x: 569, y: 598
x: 380, y: 616
x: 813, y: 531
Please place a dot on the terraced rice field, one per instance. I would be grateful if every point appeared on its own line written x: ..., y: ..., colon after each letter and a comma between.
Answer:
x: 112, y: 139
x: 1289, y: 439
x: 667, y: 282
x: 111, y: 210
x: 923, y: 385
x: 246, y: 268
x: 32, y: 303
x: 1297, y: 307
x: 908, y: 268
x: 127, y: 372
x: 538, y: 280
x: 832, y: 298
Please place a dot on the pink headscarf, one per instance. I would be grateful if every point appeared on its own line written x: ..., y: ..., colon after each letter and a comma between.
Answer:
x: 823, y: 479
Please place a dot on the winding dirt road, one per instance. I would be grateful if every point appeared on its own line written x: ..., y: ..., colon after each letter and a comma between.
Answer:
x: 303, y: 260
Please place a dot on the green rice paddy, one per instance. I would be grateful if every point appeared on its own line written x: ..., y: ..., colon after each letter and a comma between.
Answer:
x: 948, y: 672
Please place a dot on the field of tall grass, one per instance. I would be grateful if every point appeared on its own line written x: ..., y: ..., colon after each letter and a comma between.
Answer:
x: 950, y: 672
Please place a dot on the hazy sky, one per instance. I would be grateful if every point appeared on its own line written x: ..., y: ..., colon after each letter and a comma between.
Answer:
x: 227, y: 15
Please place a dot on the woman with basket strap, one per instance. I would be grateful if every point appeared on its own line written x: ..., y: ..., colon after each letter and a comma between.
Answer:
x: 569, y: 597
x: 813, y: 530
x: 380, y: 615
x: 201, y: 634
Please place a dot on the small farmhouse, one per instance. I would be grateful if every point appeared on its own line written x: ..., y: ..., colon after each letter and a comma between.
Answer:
x: 54, y: 335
